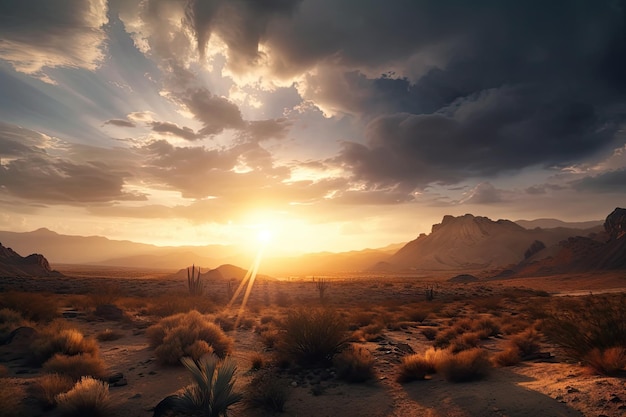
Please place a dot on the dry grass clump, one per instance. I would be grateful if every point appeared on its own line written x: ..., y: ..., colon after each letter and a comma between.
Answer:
x: 369, y: 333
x: 429, y: 333
x: 257, y: 361
x: 105, y: 292
x: 32, y: 306
x: 465, y: 341
x: 89, y: 397
x: 53, y: 340
x: 354, y: 364
x: 588, y: 329
x: 109, y: 335
x: 417, y: 313
x: 611, y: 361
x: 76, y: 366
x: 312, y: 337
x: 9, y: 321
x: 414, y: 367
x: 187, y: 334
x: 508, y: 357
x: 46, y: 389
x: 526, y: 342
x: 468, y: 365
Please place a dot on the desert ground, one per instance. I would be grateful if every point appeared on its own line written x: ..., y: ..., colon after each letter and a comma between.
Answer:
x: 387, y: 318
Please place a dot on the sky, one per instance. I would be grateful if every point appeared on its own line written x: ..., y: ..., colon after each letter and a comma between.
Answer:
x: 332, y: 125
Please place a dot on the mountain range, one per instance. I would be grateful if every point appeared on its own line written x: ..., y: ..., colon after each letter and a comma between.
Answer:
x: 463, y: 243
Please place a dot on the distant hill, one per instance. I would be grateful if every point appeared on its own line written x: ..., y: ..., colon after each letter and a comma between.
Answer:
x: 100, y: 250
x: 225, y: 272
x: 597, y: 251
x: 14, y: 265
x: 554, y: 223
x: 472, y: 242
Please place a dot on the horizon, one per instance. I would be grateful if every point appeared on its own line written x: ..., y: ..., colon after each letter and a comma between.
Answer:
x: 175, y: 124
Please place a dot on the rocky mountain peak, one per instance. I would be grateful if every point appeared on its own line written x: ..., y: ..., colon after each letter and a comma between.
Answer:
x: 615, y: 224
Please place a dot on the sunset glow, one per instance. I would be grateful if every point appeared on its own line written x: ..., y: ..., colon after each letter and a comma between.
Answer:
x: 152, y: 122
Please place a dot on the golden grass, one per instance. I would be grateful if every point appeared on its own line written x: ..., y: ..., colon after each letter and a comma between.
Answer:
x: 468, y: 365
x: 109, y: 335
x: 508, y: 357
x: 32, y: 306
x: 76, y: 366
x: 182, y: 335
x: 89, y: 397
x: 611, y: 361
x: 51, y: 341
x: 46, y: 388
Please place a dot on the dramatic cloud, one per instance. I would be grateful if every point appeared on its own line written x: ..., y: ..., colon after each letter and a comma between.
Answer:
x: 216, y: 113
x: 174, y: 129
x: 35, y: 34
x: 120, y: 123
x: 608, y: 182
x: 483, y: 193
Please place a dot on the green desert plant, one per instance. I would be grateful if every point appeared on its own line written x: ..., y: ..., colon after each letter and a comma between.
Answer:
x: 212, y: 390
x: 89, y: 397
x: 187, y: 334
x: 312, y: 337
x: 194, y: 282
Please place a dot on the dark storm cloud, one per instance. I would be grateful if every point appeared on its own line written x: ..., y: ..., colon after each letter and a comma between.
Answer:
x: 120, y: 123
x: 172, y: 128
x: 215, y: 112
x: 608, y: 182
x: 484, y: 193
x: 470, y: 89
x: 32, y: 173
x: 37, y: 33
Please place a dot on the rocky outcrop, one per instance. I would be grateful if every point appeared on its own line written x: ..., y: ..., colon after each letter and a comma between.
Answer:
x: 12, y: 264
x: 615, y: 224
x: 473, y: 242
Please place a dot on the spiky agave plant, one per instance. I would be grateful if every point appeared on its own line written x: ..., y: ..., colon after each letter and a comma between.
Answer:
x: 212, y: 390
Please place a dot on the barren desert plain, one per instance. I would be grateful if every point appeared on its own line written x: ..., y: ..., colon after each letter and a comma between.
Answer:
x: 384, y: 321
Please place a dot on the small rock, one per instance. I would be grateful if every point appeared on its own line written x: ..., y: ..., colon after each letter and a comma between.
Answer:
x: 114, y: 377
x: 615, y: 399
x: 138, y: 395
x: 294, y: 384
x: 122, y: 382
x: 152, y: 373
x: 571, y: 390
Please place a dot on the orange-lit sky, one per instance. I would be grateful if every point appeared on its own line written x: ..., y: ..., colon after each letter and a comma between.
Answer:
x: 333, y: 124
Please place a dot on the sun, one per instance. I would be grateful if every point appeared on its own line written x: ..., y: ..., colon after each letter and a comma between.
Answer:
x: 264, y: 236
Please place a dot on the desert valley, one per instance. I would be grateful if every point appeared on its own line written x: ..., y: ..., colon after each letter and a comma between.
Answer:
x: 477, y: 318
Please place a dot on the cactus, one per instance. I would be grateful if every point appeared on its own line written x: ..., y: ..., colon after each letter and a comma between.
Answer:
x: 194, y: 282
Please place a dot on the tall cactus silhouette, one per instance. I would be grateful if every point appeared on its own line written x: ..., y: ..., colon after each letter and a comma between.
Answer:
x: 194, y: 282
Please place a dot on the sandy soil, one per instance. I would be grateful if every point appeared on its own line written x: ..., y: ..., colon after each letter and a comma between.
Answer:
x: 536, y: 388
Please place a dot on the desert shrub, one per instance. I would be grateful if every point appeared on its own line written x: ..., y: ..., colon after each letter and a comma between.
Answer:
x: 89, y: 397
x: 46, y: 389
x: 488, y: 304
x: 590, y: 324
x: 312, y: 337
x: 361, y: 318
x: 76, y: 366
x: 414, y: 367
x: 180, y: 335
x: 68, y: 342
x: 267, y: 391
x: 486, y: 328
x: 10, y: 400
x: 109, y: 335
x: 444, y: 338
x: 464, y: 366
x: 225, y: 322
x: 282, y: 299
x: 369, y: 333
x: 609, y: 361
x: 512, y: 324
x: 32, y: 306
x: 527, y: 342
x: 508, y: 357
x: 267, y: 319
x: 11, y: 320
x: 429, y: 333
x: 354, y: 364
x: 212, y: 391
x: 464, y: 341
